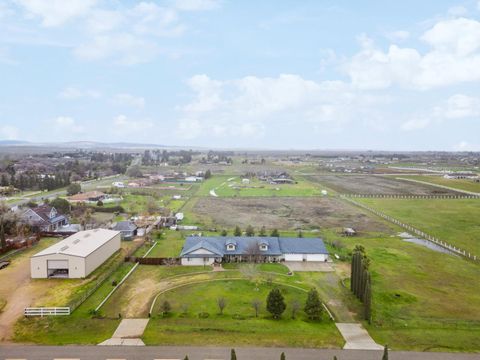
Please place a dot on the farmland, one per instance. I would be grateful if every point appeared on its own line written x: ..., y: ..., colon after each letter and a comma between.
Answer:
x: 232, y: 186
x: 461, y: 184
x: 285, y: 213
x: 372, y: 184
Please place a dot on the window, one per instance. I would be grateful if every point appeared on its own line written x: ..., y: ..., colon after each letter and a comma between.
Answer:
x: 230, y: 247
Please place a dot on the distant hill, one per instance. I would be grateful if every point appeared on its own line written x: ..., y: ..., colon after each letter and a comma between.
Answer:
x: 82, y: 144
x: 13, y: 142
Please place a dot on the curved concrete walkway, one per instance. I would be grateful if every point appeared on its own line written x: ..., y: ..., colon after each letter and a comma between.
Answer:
x: 128, y: 333
x: 356, y: 337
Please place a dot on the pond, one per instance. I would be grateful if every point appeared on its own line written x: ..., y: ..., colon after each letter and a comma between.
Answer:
x: 428, y: 244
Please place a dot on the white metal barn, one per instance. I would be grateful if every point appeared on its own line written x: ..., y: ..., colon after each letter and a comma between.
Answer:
x: 76, y: 256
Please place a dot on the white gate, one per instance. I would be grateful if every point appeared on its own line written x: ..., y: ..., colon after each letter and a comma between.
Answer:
x: 46, y: 311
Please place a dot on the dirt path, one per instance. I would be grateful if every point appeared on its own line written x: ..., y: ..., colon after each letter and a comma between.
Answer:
x: 17, y: 291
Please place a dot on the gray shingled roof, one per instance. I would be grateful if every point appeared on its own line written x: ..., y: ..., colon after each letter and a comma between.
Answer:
x: 276, y: 246
x: 124, y: 226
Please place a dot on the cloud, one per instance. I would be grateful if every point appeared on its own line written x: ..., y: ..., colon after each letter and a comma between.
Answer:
x: 196, y: 5
x: 456, y: 107
x: 466, y: 146
x: 8, y: 132
x: 458, y: 36
x: 129, y: 36
x: 68, y: 124
x: 461, y: 106
x: 129, y: 100
x: 416, y: 123
x: 124, y: 125
x: 71, y: 93
x: 56, y: 12
x: 122, y: 48
x: 453, y: 58
x: 100, y: 21
x: 247, y: 106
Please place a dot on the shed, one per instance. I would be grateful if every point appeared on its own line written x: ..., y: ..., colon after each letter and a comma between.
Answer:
x: 76, y: 256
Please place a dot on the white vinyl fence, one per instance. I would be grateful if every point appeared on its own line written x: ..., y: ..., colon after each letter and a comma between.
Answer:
x: 46, y: 311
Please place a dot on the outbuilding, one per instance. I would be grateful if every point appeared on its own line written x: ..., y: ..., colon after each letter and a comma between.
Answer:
x: 76, y: 256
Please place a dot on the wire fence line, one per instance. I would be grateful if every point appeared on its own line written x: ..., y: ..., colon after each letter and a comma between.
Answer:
x: 402, y: 196
x: 428, y: 237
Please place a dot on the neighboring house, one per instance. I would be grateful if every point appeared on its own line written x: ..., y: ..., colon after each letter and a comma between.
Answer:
x: 76, y: 256
x: 128, y: 229
x: 193, y: 179
x: 207, y: 250
x: 44, y: 218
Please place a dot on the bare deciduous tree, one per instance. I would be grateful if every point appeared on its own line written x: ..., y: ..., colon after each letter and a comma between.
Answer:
x: 295, y: 308
x: 221, y: 303
x: 256, y: 303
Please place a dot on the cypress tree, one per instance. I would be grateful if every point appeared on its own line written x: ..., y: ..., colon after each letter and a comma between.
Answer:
x: 367, y: 299
x: 233, y: 356
x: 352, y: 272
x: 282, y: 356
x: 275, y: 303
x: 385, y: 353
x: 358, y: 275
x: 313, y: 305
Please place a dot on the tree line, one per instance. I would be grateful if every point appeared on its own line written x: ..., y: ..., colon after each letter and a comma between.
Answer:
x: 360, y: 280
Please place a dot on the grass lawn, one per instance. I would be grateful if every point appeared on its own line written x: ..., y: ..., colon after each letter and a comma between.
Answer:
x: 454, y: 221
x: 237, y: 325
x: 64, y: 330
x: 137, y: 204
x: 225, y: 188
x: 462, y: 184
x: 422, y: 299
x: 169, y: 244
x: 275, y: 268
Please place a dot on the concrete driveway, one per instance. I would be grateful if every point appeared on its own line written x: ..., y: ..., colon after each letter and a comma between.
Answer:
x: 319, y: 266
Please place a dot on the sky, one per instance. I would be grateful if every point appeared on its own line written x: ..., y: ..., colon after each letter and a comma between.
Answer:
x: 279, y: 74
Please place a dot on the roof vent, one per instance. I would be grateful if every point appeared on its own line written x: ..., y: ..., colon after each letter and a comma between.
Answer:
x: 86, y: 235
x: 64, y: 248
x: 76, y: 241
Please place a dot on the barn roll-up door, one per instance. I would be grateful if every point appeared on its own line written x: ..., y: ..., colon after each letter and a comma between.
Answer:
x: 293, y: 257
x: 57, y: 264
x: 316, y: 257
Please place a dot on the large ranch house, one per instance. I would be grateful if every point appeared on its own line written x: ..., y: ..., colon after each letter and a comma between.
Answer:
x: 199, y: 250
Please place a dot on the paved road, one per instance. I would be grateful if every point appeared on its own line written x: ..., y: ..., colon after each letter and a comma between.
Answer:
x: 202, y: 353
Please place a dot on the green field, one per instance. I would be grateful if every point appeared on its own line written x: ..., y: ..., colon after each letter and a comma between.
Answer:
x: 422, y: 299
x: 225, y: 188
x: 454, y: 221
x: 237, y: 325
x: 462, y: 184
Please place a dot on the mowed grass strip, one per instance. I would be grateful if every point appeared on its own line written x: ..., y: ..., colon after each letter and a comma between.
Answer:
x: 454, y: 221
x: 238, y: 324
